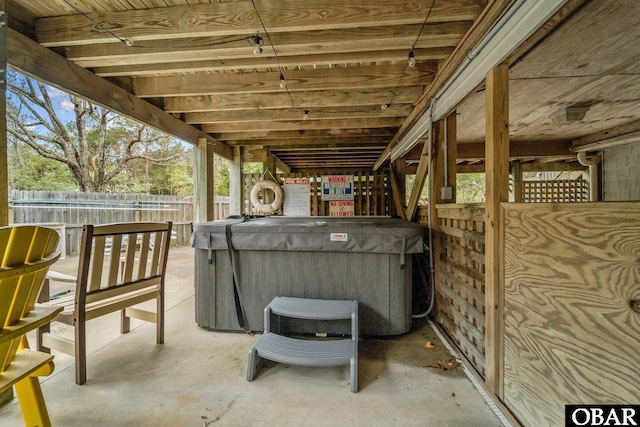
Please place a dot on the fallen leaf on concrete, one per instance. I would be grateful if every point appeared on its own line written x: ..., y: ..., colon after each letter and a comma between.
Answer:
x: 432, y: 346
x: 446, y: 365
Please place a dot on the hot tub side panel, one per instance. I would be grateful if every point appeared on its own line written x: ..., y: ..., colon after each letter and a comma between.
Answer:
x: 377, y: 281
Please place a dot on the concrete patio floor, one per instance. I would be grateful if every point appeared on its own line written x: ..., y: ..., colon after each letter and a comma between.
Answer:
x: 197, y: 377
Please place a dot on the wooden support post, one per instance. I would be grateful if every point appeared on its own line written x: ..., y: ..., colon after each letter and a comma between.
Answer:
x: 401, y: 176
x: 269, y: 164
x: 441, y: 167
x: 421, y: 175
x: 436, y: 182
x: 517, y: 181
x: 203, y: 181
x: 451, y: 143
x: 397, y: 177
x: 497, y: 171
x: 4, y: 173
x: 236, y: 194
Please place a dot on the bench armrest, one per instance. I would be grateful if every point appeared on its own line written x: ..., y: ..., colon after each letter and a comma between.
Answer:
x: 60, y: 277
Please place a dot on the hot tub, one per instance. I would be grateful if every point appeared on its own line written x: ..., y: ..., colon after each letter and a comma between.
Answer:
x: 363, y: 258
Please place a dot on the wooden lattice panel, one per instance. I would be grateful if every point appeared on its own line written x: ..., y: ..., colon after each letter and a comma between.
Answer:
x: 556, y: 191
x: 460, y: 278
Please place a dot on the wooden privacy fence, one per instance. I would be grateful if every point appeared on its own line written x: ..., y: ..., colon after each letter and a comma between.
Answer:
x: 73, y: 210
x: 372, y: 192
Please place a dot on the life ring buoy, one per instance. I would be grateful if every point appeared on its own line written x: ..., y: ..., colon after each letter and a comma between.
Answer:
x: 267, y: 208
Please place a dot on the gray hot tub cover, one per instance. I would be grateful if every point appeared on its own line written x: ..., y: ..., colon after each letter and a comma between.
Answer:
x: 359, y: 234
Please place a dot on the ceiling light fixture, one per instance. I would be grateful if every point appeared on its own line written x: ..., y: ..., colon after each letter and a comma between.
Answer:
x: 305, y: 116
x: 283, y: 83
x: 384, y: 106
x: 412, y: 59
x: 257, y: 44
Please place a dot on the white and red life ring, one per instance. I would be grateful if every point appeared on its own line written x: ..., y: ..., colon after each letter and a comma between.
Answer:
x: 267, y: 208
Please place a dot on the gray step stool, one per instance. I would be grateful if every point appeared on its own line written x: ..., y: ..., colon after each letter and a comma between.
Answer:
x: 294, y: 351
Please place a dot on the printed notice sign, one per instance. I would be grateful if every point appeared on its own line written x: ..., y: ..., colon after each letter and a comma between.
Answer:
x: 297, y: 197
x: 337, y: 187
x: 338, y: 237
x: 341, y: 208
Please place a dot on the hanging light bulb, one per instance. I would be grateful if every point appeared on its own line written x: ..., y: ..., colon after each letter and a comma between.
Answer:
x: 257, y: 42
x: 412, y: 59
x: 384, y: 106
x: 305, y: 116
x: 283, y: 84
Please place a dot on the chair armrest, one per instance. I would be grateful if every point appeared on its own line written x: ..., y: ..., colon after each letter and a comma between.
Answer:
x: 60, y: 277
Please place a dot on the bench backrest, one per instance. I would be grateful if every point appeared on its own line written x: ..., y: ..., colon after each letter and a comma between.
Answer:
x: 26, y: 252
x: 116, y: 259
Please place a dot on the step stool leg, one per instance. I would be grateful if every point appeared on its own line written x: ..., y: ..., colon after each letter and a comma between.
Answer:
x: 252, y: 364
x: 354, y: 374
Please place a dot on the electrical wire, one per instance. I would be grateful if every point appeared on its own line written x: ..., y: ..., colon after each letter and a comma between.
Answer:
x: 264, y: 28
x: 395, y: 91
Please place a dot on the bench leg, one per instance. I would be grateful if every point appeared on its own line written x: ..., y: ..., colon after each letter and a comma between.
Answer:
x: 160, y: 319
x: 125, y: 322
x: 39, y: 332
x: 43, y: 297
x: 81, y: 351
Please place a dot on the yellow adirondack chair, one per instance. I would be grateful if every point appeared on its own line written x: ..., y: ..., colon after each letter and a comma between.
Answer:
x: 26, y: 252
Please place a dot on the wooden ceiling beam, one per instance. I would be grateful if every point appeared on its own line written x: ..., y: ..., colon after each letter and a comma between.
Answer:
x: 303, y: 134
x: 517, y: 149
x: 316, y: 99
x: 327, y: 42
x: 358, y: 78
x: 270, y: 62
x: 32, y: 59
x: 290, y: 114
x: 298, y: 125
x: 355, y: 143
x: 618, y: 135
x: 232, y: 18
x: 332, y: 170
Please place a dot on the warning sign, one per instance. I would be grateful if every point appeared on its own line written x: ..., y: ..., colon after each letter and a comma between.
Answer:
x: 341, y: 208
x: 337, y: 187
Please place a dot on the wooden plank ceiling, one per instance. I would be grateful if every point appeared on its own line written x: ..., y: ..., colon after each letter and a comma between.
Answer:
x: 344, y: 63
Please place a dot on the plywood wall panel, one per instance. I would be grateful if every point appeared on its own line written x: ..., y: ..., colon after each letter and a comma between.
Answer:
x: 572, y: 329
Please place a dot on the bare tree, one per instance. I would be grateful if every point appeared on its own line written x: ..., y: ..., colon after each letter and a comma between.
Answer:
x: 96, y: 146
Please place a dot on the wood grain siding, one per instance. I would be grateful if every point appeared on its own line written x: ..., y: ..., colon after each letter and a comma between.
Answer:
x: 461, y: 279
x: 572, y: 274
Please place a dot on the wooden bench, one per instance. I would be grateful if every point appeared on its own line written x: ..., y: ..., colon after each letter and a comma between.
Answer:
x: 120, y: 266
x: 26, y: 252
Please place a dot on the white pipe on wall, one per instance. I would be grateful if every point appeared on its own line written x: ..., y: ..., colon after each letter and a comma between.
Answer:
x: 593, y: 175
